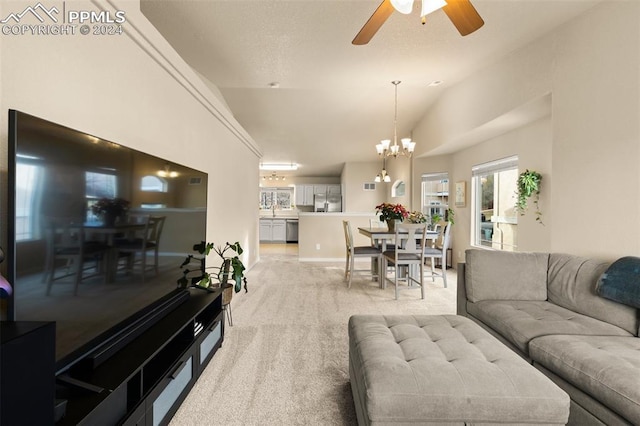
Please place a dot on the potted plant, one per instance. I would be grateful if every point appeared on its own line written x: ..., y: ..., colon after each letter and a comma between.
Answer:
x: 109, y: 209
x: 390, y: 213
x: 230, y: 267
x: 528, y: 186
x: 449, y: 216
x: 434, y: 220
x: 417, y: 217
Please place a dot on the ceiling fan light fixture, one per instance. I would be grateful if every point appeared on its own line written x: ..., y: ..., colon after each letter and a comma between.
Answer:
x: 429, y: 6
x: 402, y: 6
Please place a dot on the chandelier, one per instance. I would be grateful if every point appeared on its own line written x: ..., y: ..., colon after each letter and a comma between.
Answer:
x: 167, y: 172
x: 383, y: 176
x: 385, y: 149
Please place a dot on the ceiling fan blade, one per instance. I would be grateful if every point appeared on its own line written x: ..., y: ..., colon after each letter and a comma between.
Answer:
x: 464, y: 16
x: 374, y: 23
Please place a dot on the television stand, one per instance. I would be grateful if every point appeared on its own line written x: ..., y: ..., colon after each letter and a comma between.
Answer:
x: 146, y: 381
x: 70, y: 381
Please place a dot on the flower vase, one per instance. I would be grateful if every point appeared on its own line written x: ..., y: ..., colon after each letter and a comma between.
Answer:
x: 391, y: 224
x: 227, y: 293
x: 109, y: 218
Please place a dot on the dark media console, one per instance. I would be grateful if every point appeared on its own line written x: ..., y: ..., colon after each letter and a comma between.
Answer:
x: 143, y: 383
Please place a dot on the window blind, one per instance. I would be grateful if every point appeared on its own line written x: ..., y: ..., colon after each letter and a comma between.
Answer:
x: 428, y: 177
x: 495, y: 166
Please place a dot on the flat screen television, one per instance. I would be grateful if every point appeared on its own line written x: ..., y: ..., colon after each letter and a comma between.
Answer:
x: 57, y: 172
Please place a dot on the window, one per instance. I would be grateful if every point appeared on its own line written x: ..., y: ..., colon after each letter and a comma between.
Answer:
x: 27, y: 177
x: 494, y: 222
x: 435, y: 194
x: 276, y: 198
x: 98, y: 185
x: 398, y: 189
x: 151, y: 183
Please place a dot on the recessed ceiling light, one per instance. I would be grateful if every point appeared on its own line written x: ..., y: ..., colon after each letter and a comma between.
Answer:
x: 435, y: 83
x: 274, y: 85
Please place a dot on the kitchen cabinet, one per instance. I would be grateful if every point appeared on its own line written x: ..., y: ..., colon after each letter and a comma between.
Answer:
x: 273, y: 230
x: 304, y: 195
x: 319, y: 189
x: 334, y: 190
x: 329, y: 189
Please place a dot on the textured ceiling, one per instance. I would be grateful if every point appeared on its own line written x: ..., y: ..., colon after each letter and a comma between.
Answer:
x: 335, y: 101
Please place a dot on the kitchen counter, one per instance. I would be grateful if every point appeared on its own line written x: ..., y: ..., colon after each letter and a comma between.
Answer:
x: 279, y: 217
x: 279, y: 229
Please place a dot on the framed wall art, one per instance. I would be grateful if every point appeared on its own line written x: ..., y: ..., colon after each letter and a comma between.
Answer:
x: 461, y: 194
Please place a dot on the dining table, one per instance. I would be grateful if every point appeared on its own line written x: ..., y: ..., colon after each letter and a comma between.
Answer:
x: 109, y: 233
x: 381, y: 237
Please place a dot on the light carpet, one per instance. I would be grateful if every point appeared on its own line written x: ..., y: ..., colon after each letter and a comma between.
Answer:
x: 285, y: 360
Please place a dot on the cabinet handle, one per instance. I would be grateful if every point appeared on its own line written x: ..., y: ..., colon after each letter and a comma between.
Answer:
x: 214, y: 325
x: 176, y: 372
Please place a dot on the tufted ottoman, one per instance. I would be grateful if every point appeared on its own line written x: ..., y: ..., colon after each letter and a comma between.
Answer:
x: 444, y: 369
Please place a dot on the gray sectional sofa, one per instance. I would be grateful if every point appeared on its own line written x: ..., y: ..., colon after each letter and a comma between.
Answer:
x: 544, y: 306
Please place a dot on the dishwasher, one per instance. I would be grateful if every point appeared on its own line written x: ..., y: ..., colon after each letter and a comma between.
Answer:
x: 292, y: 230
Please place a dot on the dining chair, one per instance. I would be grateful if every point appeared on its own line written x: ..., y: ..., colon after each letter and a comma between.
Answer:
x: 407, y: 256
x: 375, y: 223
x: 439, y: 251
x: 70, y: 253
x: 156, y: 225
x: 133, y: 247
x: 353, y: 252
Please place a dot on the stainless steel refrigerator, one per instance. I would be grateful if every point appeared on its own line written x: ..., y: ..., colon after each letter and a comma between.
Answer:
x: 327, y: 203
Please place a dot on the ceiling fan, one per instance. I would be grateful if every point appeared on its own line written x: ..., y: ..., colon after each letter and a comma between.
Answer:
x: 461, y: 12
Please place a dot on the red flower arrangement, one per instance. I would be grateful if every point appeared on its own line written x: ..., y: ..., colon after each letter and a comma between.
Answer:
x: 389, y: 211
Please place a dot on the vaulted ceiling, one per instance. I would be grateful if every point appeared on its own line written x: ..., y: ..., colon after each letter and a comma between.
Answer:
x: 334, y: 100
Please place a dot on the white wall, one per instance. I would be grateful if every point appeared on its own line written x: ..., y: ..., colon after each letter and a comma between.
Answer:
x: 354, y: 176
x: 532, y: 144
x: 134, y: 89
x: 591, y: 178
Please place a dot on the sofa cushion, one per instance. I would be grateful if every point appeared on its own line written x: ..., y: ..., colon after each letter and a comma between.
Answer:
x: 572, y: 284
x: 606, y: 367
x: 414, y: 369
x: 621, y: 282
x: 521, y: 321
x: 500, y: 275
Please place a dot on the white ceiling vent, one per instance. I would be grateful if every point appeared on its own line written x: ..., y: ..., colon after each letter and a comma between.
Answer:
x: 369, y: 186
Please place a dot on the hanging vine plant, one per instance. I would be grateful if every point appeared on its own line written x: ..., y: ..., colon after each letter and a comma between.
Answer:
x: 529, y: 187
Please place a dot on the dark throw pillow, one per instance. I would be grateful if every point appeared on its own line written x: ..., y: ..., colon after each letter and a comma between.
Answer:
x: 621, y: 281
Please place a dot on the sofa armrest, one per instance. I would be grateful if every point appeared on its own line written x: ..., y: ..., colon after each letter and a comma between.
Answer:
x: 461, y: 302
